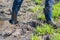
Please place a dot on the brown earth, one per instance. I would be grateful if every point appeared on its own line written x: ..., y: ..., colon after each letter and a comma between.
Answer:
x: 27, y: 21
x: 20, y: 31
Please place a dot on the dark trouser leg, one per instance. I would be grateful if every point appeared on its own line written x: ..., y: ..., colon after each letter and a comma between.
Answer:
x: 48, y: 9
x: 15, y: 9
x: 48, y: 12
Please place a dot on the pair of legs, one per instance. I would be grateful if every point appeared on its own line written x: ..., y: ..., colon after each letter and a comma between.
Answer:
x: 47, y: 10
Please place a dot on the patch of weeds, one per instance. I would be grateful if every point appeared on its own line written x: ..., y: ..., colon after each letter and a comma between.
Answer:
x: 57, y: 30
x: 56, y: 11
x: 55, y: 36
x: 38, y: 1
x: 45, y: 29
x: 35, y: 37
x: 35, y: 9
x: 41, y: 16
x: 39, y: 11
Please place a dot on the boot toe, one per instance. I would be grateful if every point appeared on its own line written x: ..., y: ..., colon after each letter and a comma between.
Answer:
x: 13, y: 22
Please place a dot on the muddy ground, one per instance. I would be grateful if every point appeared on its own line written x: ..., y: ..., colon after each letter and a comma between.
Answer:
x: 21, y: 31
x: 27, y: 21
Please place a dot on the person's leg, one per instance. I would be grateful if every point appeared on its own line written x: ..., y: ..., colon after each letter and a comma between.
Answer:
x: 48, y: 12
x: 15, y: 9
x: 48, y: 9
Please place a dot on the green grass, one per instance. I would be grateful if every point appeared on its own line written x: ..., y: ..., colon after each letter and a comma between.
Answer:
x: 45, y: 29
x: 55, y: 36
x: 42, y: 30
x: 38, y: 1
x: 56, y: 11
x: 58, y: 30
x: 35, y: 9
x: 35, y: 37
x: 39, y: 11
